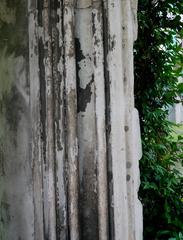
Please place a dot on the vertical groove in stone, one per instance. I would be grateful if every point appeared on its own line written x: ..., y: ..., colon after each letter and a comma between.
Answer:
x: 35, y: 121
x: 98, y: 66
x: 108, y: 121
x: 86, y: 122
x: 49, y: 154
x: 59, y: 121
x: 71, y: 119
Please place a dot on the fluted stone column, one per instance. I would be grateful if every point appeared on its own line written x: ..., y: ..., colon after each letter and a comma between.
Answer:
x: 69, y: 132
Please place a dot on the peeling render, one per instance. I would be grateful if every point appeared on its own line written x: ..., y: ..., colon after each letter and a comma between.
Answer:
x: 101, y: 156
x: 69, y: 132
x: 71, y: 120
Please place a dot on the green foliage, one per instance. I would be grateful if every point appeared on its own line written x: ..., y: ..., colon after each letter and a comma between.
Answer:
x: 158, y: 65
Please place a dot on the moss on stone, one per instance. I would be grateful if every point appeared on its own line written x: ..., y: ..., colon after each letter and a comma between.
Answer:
x: 6, y: 72
x: 13, y: 26
x: 13, y: 45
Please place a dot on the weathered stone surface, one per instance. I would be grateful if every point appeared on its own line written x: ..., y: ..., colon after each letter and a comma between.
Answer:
x: 16, y: 188
x: 69, y: 133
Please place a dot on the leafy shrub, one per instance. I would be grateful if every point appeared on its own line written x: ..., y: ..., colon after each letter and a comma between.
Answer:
x: 158, y: 65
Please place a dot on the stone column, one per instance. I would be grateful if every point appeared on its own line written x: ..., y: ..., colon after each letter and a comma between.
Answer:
x: 69, y: 132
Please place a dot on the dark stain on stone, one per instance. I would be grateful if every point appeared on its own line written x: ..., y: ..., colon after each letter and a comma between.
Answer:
x: 72, y: 48
x: 14, y: 35
x: 40, y: 11
x: 58, y: 111
x: 126, y: 128
x: 128, y: 164
x: 95, y: 60
x: 128, y: 177
x: 110, y: 176
x: 112, y: 42
x: 111, y: 229
x: 56, y: 5
x: 2, y: 158
x: 36, y: 50
x: 5, y: 211
x: 89, y: 199
x: 112, y: 4
x: 108, y: 128
x: 124, y: 43
x: 125, y: 77
x: 93, y: 23
x: 42, y: 96
x: 79, y: 55
x: 84, y: 94
x: 13, y: 109
x: 96, y: 40
x: 57, y: 52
